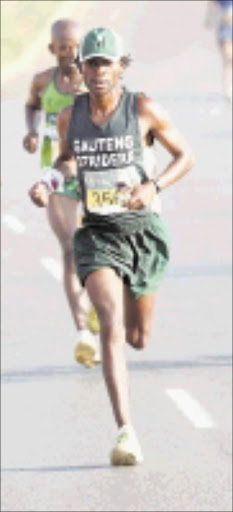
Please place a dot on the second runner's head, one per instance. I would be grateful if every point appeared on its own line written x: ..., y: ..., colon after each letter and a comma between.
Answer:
x: 102, y: 59
x: 65, y: 36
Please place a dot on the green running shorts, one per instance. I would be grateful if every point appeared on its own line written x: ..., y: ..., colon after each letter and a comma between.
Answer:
x: 138, y: 253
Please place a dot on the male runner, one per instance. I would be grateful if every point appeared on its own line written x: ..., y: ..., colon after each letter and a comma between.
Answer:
x: 51, y: 91
x: 219, y: 16
x: 122, y: 249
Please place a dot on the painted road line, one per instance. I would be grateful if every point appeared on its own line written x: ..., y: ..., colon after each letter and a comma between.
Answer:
x: 13, y: 223
x: 190, y: 408
x: 53, y: 266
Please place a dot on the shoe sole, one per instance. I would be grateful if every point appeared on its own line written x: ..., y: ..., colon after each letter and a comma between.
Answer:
x: 85, y: 354
x: 121, y: 458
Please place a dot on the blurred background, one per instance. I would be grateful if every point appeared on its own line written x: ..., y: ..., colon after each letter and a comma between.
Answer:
x: 156, y: 34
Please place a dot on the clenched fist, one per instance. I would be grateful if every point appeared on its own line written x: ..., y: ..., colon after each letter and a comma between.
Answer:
x: 39, y: 194
x: 30, y: 142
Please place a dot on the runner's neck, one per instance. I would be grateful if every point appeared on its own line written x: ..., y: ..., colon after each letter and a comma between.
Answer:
x: 101, y: 108
x: 67, y: 81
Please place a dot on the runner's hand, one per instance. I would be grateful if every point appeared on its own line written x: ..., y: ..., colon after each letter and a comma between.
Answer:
x: 141, y: 196
x: 30, y: 142
x: 39, y: 194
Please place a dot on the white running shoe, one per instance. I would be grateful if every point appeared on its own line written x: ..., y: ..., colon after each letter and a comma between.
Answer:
x: 127, y: 451
x: 87, y: 351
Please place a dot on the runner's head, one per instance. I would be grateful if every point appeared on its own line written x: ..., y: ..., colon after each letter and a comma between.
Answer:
x: 64, y: 42
x: 102, y: 60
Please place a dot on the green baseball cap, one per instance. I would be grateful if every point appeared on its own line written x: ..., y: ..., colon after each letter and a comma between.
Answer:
x: 101, y: 42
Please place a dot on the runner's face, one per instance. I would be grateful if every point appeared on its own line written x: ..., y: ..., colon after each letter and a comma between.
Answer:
x: 101, y: 75
x: 65, y: 50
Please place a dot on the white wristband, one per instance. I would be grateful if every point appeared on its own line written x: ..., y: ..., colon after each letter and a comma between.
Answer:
x: 54, y: 179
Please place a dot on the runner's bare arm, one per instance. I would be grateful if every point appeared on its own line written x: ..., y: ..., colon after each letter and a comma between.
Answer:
x: 33, y: 110
x: 65, y: 162
x: 154, y: 119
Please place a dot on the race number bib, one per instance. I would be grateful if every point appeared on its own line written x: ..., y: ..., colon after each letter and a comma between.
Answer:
x: 101, y: 198
x: 105, y: 192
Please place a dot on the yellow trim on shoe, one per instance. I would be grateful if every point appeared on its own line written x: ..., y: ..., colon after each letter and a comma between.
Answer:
x: 120, y: 457
x: 93, y: 321
x: 87, y: 352
x: 127, y: 451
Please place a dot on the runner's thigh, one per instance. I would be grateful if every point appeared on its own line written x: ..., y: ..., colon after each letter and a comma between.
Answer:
x: 105, y: 290
x: 62, y: 215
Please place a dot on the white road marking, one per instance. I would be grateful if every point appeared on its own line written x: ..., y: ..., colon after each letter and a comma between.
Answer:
x: 13, y: 223
x: 190, y: 408
x: 53, y: 266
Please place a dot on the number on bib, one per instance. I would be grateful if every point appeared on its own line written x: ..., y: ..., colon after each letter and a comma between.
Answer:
x: 100, y: 198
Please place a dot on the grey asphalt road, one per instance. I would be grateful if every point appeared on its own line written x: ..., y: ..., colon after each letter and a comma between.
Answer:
x: 56, y: 424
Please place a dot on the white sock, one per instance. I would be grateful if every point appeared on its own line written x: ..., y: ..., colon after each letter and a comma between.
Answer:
x: 127, y: 427
x: 86, y: 335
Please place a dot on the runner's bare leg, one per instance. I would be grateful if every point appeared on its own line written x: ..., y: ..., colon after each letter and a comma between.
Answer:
x: 138, y: 318
x: 62, y: 216
x: 105, y: 290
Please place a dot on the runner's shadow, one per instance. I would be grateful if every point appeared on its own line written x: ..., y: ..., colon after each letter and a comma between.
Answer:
x: 44, y: 469
x: 219, y: 360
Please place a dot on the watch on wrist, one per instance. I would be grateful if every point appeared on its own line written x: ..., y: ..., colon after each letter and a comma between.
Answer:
x: 157, y: 187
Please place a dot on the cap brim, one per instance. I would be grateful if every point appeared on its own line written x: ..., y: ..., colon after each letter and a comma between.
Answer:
x: 102, y: 55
